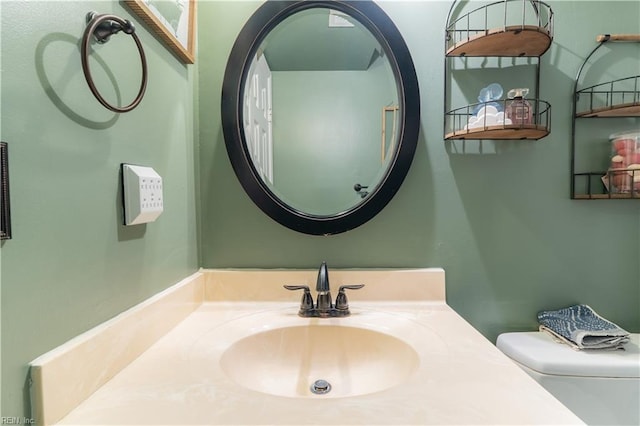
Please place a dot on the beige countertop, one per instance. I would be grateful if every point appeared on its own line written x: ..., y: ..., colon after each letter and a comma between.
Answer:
x: 460, y: 378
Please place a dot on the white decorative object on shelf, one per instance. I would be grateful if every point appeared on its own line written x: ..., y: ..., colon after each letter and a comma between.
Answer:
x: 487, y: 116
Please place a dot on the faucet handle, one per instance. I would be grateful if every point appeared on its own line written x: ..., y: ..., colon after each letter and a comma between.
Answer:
x: 341, y: 299
x: 296, y: 287
x: 306, y: 304
x: 350, y: 287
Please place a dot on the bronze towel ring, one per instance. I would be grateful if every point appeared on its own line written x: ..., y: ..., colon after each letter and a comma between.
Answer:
x: 102, y: 27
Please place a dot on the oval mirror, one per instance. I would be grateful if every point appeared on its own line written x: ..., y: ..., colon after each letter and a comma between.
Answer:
x: 320, y: 111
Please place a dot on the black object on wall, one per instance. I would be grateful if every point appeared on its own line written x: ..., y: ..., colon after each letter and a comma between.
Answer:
x: 5, y: 207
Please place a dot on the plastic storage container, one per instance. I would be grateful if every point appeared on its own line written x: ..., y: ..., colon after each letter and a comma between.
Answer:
x: 624, y: 170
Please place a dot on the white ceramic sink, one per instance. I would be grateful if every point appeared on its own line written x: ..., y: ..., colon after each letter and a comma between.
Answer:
x: 287, y: 361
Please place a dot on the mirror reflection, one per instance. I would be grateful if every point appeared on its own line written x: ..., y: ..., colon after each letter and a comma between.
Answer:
x: 320, y: 112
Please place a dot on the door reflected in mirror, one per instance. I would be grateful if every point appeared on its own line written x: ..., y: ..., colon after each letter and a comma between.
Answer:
x: 320, y: 112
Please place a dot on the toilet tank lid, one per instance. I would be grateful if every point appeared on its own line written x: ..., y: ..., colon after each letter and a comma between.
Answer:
x: 539, y: 352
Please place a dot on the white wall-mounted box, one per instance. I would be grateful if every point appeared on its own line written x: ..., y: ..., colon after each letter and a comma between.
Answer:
x: 142, y: 194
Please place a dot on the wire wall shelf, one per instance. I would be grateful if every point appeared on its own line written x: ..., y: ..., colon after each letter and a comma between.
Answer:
x: 589, y: 184
x: 617, y: 98
x: 470, y: 123
x: 508, y: 28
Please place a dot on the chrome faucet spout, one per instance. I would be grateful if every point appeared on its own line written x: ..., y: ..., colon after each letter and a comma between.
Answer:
x: 324, y: 304
x: 322, y: 284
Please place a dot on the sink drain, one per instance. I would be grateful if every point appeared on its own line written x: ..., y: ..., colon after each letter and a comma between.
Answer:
x: 320, y: 387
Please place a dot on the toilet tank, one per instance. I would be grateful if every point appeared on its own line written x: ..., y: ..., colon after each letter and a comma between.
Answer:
x: 601, y: 387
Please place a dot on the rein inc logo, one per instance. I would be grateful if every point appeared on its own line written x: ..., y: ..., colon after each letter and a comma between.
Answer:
x: 17, y: 421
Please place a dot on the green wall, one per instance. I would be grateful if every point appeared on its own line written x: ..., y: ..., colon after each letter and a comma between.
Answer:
x: 495, y: 215
x: 71, y: 264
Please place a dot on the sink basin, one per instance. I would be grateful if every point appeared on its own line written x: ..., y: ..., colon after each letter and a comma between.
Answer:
x: 287, y: 361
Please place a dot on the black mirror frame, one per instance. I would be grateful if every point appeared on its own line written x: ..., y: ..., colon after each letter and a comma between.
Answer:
x: 267, y: 16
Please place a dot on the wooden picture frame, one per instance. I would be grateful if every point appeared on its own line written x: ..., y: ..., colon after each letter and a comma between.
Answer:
x: 173, y: 21
x: 391, y: 138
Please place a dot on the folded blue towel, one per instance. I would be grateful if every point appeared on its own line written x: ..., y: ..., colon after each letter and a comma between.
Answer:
x: 582, y: 328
